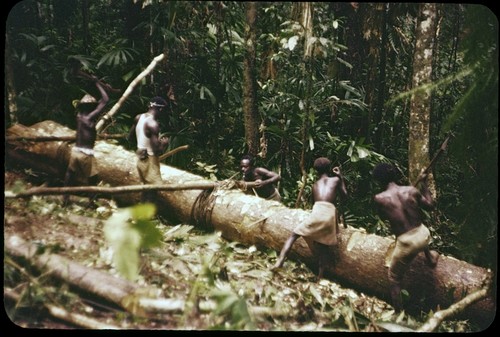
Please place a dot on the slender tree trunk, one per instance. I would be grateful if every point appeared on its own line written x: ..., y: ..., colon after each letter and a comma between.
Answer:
x: 372, y: 32
x: 306, y: 21
x: 250, y: 111
x: 11, y: 116
x: 381, y: 83
x: 418, y: 151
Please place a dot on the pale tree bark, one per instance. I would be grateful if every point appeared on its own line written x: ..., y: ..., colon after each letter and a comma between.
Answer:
x: 419, y: 126
x: 359, y: 261
x: 306, y: 21
x: 250, y: 111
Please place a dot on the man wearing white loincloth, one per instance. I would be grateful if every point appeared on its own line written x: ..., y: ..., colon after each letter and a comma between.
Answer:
x: 321, y: 228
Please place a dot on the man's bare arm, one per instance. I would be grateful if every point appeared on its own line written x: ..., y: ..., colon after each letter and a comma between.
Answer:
x: 425, y: 197
x: 131, y: 133
x: 272, y: 177
x: 102, y: 102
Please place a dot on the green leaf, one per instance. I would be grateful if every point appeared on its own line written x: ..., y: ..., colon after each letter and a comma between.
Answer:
x: 143, y: 211
x: 151, y: 236
x: 125, y: 242
x: 127, y: 231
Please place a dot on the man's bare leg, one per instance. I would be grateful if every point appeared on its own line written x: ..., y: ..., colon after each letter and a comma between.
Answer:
x: 284, y: 251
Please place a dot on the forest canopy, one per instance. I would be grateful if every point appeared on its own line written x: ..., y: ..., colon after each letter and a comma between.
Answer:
x: 287, y: 82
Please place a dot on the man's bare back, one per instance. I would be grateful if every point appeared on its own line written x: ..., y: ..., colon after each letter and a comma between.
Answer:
x: 325, y: 189
x: 400, y: 205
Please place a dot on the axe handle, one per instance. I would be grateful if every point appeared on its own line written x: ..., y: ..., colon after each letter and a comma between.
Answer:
x: 174, y: 151
x: 441, y: 149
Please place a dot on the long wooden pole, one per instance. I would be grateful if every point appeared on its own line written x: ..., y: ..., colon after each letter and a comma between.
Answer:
x: 62, y: 138
x: 200, y: 185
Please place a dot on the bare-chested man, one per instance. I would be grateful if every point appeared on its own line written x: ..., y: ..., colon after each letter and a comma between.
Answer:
x: 146, y: 129
x: 264, y: 179
x: 401, y: 206
x: 82, y: 165
x: 320, y: 230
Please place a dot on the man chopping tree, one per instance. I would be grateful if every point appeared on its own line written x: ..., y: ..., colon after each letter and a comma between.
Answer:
x: 402, y: 207
x: 82, y: 164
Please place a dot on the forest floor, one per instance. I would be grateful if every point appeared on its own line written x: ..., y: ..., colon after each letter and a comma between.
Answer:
x: 194, y: 266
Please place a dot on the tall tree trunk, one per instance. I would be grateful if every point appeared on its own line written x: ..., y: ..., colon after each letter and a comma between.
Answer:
x: 11, y: 113
x: 306, y: 21
x: 374, y: 15
x: 250, y: 111
x: 418, y: 143
x: 378, y: 107
x: 359, y: 260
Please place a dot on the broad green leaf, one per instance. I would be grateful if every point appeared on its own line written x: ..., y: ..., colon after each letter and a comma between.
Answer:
x: 143, y: 211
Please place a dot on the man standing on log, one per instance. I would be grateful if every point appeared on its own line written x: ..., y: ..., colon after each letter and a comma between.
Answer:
x: 402, y: 207
x: 150, y: 145
x: 82, y: 164
x: 263, y: 178
x: 320, y: 230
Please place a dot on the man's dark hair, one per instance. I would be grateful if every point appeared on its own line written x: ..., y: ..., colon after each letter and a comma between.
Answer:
x: 385, y: 173
x: 249, y: 158
x: 322, y: 165
x: 158, y: 101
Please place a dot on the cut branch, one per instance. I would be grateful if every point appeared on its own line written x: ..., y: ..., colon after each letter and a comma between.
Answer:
x: 127, y: 92
x: 454, y: 309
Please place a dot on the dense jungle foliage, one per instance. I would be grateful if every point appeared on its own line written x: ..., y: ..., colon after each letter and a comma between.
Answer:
x: 348, y: 101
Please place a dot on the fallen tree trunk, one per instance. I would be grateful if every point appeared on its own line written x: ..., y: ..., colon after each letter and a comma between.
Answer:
x: 360, y: 260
